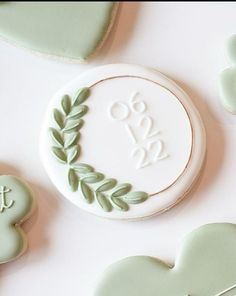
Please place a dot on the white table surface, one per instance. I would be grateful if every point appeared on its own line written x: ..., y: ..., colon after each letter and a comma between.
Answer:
x: 69, y: 248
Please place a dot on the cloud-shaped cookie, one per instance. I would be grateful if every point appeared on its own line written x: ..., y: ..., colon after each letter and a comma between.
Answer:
x: 16, y: 204
x: 205, y: 266
x: 227, y: 78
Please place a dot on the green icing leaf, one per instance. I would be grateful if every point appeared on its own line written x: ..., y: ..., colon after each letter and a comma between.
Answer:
x: 73, y: 154
x: 93, y: 177
x: 73, y: 180
x: 56, y: 136
x: 78, y: 111
x: 66, y: 104
x: 73, y: 125
x: 135, y: 197
x: 120, y: 204
x: 107, y: 185
x: 81, y: 96
x: 59, y: 118
x: 83, y: 168
x: 60, y: 154
x: 103, y: 202
x: 86, y: 191
x: 71, y: 139
x: 121, y: 190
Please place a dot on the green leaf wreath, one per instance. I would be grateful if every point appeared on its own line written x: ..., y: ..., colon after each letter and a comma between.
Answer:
x: 82, y: 177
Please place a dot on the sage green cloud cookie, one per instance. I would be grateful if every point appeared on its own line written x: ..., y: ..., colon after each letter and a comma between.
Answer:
x: 16, y: 204
x: 228, y: 78
x: 205, y: 266
x: 72, y: 30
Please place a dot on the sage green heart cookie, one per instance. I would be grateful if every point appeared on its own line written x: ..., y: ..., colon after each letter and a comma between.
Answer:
x: 16, y: 204
x: 71, y: 30
x: 228, y: 79
x: 205, y: 266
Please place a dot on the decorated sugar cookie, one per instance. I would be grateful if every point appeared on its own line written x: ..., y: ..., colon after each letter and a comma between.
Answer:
x: 67, y: 30
x: 123, y: 142
x: 228, y: 77
x: 16, y: 204
x: 205, y: 266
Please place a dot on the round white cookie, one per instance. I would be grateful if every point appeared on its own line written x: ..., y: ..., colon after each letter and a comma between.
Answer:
x: 123, y: 142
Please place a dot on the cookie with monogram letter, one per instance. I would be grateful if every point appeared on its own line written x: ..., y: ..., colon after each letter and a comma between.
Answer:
x: 205, y: 266
x: 123, y: 142
x: 16, y: 205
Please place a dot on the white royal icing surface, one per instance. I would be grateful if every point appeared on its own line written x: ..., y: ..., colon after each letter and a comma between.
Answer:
x: 141, y: 129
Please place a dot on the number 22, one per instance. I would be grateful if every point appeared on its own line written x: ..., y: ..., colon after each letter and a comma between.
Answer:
x: 142, y: 154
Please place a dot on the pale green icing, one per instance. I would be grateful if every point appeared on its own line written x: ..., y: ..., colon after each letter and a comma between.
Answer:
x: 16, y: 202
x: 104, y: 202
x: 64, y: 29
x: 227, y: 82
x: 205, y: 266
x: 231, y: 48
x: 228, y: 89
x: 108, y: 184
x: 135, y: 197
x: 92, y: 185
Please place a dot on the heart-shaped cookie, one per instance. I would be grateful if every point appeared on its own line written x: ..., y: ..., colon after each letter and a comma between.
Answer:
x: 71, y: 30
x: 16, y: 204
x: 205, y: 266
